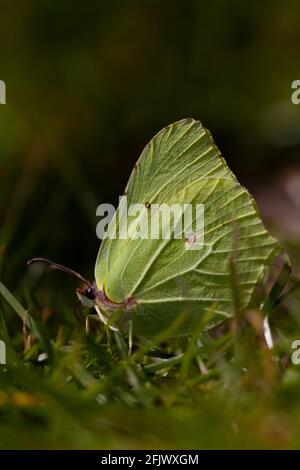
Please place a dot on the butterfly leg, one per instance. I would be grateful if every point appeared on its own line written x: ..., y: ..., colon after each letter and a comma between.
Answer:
x: 88, y: 319
x: 104, y: 319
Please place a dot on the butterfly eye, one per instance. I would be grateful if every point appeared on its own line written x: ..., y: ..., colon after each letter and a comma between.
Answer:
x: 89, y: 293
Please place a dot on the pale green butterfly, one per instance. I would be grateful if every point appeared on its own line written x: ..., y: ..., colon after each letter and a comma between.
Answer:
x: 151, y: 282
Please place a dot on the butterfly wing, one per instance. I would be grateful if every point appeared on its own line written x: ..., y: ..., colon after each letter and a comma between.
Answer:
x: 182, y: 165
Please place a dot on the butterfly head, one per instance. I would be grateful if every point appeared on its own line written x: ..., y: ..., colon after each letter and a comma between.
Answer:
x: 88, y: 295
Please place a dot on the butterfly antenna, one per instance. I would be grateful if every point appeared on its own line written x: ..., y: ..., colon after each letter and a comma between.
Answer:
x: 60, y: 267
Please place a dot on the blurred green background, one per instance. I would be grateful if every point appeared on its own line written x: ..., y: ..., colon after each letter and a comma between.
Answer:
x: 89, y: 83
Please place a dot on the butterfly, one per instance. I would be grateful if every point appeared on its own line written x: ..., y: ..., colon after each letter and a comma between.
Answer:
x: 148, y: 283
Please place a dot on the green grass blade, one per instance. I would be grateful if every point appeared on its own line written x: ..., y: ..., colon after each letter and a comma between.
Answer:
x: 19, y: 309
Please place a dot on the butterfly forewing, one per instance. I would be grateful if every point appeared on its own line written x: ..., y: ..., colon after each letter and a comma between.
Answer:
x: 182, y: 165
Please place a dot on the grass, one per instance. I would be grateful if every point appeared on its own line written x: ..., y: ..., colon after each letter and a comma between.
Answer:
x: 62, y: 388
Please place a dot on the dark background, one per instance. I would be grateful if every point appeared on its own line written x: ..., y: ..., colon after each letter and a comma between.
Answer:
x: 89, y: 83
